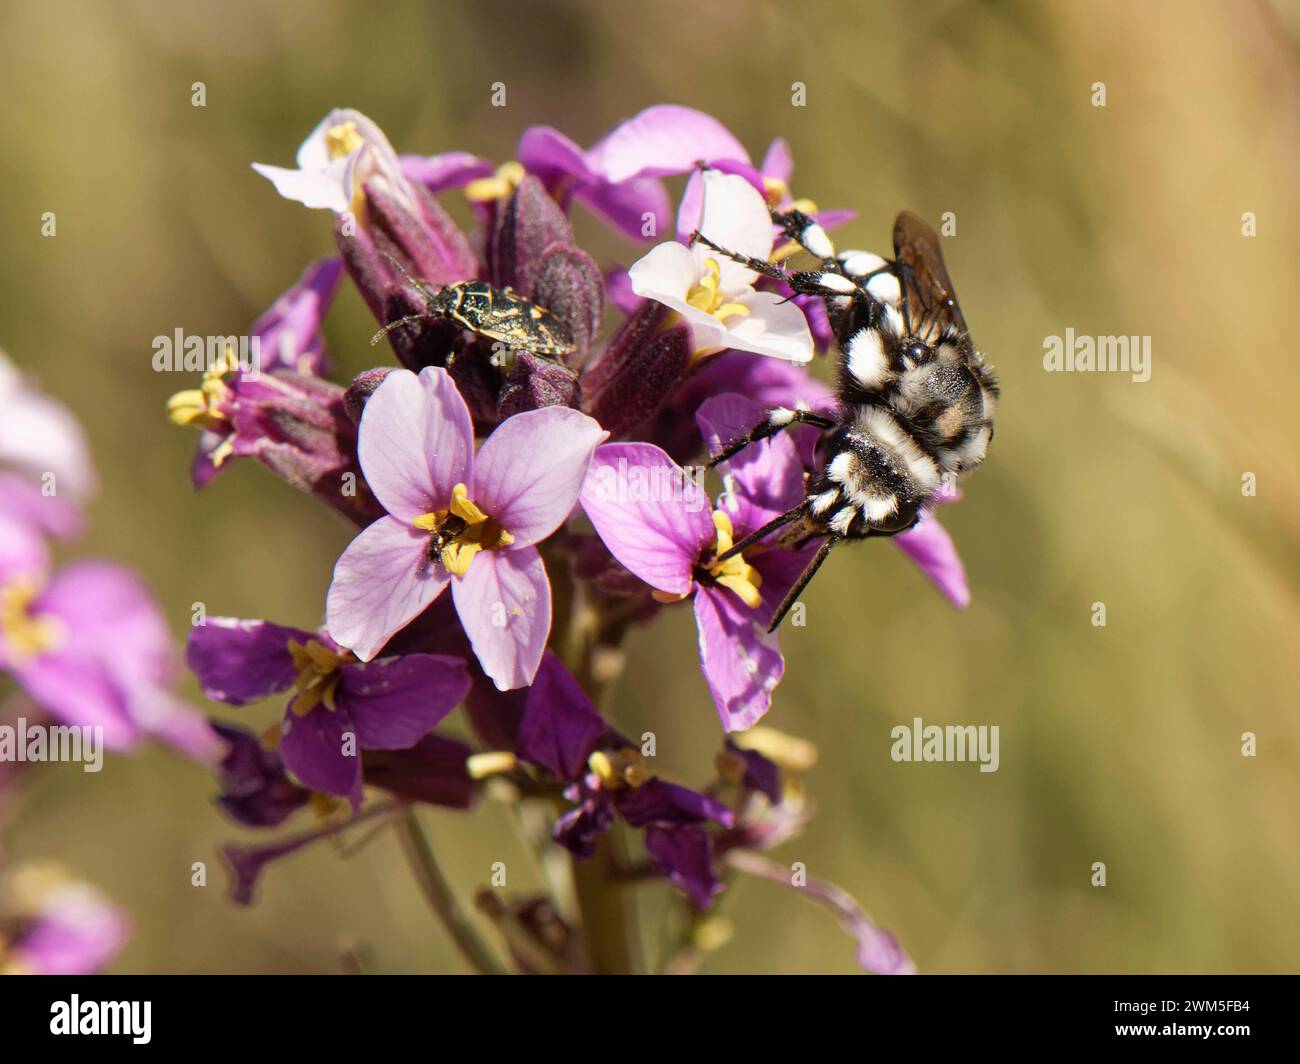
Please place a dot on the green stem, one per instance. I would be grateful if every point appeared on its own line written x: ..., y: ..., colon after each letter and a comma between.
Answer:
x: 437, y: 891
x: 609, y: 921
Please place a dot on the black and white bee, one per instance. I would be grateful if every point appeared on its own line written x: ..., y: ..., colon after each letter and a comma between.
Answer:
x: 499, y: 314
x: 916, y: 398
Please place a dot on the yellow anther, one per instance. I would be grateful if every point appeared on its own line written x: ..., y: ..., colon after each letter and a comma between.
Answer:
x: 481, y: 766
x: 775, y: 191
x: 202, y: 407
x: 342, y: 140
x: 497, y: 187
x: 464, y: 530
x: 789, y: 751
x: 324, y: 805
x: 463, y: 507
x: 618, y: 768
x: 25, y: 635
x: 318, y: 675
x: 804, y: 206
x: 735, y: 573
x: 705, y: 295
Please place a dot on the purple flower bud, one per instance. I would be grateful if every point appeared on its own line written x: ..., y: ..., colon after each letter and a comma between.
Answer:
x: 529, y: 225
x: 296, y: 425
x: 535, y: 382
x: 570, y: 286
x: 362, y: 388
x: 637, y: 372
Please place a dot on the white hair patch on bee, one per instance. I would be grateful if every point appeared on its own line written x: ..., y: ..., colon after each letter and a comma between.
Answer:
x: 823, y: 502
x: 843, y: 467
x: 814, y: 238
x: 839, y: 524
x: 836, y: 282
x: 861, y: 263
x: 971, y: 453
x: 780, y: 416
x: 878, y: 507
x: 885, y: 288
x: 893, y: 321
x: 867, y: 361
x: 880, y: 425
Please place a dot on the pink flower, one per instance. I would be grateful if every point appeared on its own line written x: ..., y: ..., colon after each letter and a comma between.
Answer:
x: 454, y: 518
x: 658, y: 523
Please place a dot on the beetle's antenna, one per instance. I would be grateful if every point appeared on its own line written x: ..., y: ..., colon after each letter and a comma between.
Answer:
x: 419, y: 286
x: 397, y: 324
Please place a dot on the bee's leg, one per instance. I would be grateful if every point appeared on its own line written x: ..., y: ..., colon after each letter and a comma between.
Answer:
x: 810, y: 236
x: 777, y: 421
x: 792, y: 514
x: 804, y: 282
x: 793, y: 595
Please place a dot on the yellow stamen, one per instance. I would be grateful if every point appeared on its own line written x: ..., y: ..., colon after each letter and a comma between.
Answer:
x: 203, y: 407
x: 25, y: 635
x: 497, y: 187
x: 619, y: 768
x: 735, y: 573
x: 342, y: 140
x: 478, y: 532
x: 318, y: 675
x: 775, y: 191
x: 481, y: 766
x: 705, y: 294
x: 789, y: 751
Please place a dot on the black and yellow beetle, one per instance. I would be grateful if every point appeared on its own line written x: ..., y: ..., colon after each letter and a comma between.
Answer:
x: 499, y: 314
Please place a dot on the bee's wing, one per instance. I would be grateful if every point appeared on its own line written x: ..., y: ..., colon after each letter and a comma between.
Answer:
x: 926, y: 280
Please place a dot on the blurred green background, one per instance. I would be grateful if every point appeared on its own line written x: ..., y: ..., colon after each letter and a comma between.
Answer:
x: 1118, y: 744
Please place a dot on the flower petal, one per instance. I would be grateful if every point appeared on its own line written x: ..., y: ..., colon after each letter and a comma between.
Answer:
x: 653, y: 518
x: 742, y: 663
x: 504, y: 603
x: 238, y: 661
x: 661, y: 140
x: 530, y: 470
x: 416, y: 442
x: 773, y: 327
x: 928, y: 544
x: 735, y: 217
x: 560, y: 726
x: 381, y: 582
x: 395, y: 702
x: 322, y: 749
x: 766, y: 478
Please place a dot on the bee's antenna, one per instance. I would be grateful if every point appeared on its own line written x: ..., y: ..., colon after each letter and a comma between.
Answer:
x: 802, y: 582
x: 792, y: 514
x: 397, y: 324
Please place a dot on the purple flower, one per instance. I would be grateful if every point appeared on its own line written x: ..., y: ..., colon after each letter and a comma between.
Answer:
x: 290, y: 331
x: 656, y: 521
x: 562, y: 733
x: 454, y: 518
x: 56, y: 925
x: 637, y: 207
x: 91, y: 647
x: 338, y: 707
x: 40, y: 437
x: 255, y: 791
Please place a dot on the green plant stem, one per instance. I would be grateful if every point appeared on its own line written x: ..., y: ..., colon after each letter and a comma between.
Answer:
x: 437, y: 891
x: 608, y: 909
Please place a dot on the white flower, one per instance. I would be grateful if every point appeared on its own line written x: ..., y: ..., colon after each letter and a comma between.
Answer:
x: 714, y: 294
x: 339, y: 154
